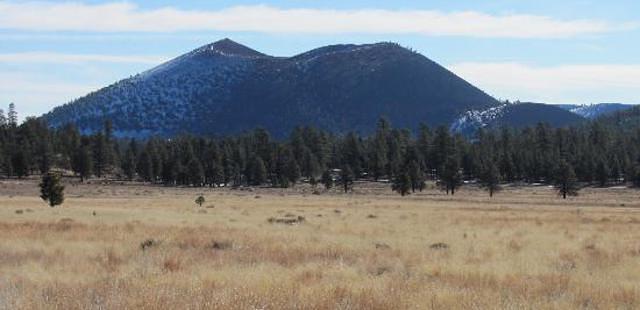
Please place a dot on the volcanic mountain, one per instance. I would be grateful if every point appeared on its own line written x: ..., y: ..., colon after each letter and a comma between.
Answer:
x: 226, y: 88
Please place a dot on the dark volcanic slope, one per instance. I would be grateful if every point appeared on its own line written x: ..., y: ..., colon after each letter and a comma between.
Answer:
x: 529, y: 114
x: 225, y: 88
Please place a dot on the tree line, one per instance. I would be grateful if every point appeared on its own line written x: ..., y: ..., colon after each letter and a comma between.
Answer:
x: 591, y: 154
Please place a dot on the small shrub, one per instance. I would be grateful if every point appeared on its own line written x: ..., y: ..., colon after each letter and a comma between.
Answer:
x: 149, y: 243
x: 439, y: 246
x: 221, y: 245
x: 200, y: 200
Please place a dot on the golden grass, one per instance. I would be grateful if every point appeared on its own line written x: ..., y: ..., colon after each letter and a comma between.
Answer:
x: 525, y: 248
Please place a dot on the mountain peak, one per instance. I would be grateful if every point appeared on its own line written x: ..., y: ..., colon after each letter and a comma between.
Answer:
x: 228, y: 47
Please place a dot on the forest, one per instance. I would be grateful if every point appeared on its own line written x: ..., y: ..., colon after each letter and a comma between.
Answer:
x: 597, y: 153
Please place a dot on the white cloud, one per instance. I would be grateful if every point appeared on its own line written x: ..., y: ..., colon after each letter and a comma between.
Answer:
x: 60, y: 58
x: 35, y: 95
x: 555, y: 84
x: 127, y: 17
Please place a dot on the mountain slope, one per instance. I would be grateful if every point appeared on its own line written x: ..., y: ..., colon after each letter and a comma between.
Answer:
x: 515, y: 115
x: 592, y: 111
x: 628, y: 119
x: 225, y: 87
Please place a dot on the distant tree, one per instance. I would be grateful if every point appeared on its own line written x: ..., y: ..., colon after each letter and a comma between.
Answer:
x: 20, y: 163
x: 7, y: 165
x: 82, y: 162
x: 51, y: 189
x: 602, y: 173
x: 100, y: 150
x: 416, y: 176
x: 379, y: 160
x: 200, y: 200
x: 327, y: 179
x: 346, y: 178
x: 293, y: 171
x: 424, y: 145
x: 259, y: 172
x: 145, y: 166
x: 128, y: 163
x: 313, y: 182
x: 490, y: 178
x: 3, y: 119
x: 12, y: 115
x: 45, y: 156
x: 565, y: 180
x: 634, y: 175
x: 195, y: 173
x: 402, y: 183
x: 451, y: 178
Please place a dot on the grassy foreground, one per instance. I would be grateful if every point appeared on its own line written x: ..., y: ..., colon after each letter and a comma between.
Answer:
x: 142, y: 247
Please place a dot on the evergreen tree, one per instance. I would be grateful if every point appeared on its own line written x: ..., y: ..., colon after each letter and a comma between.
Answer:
x: 490, y: 178
x: 128, y: 163
x: 565, y: 181
x: 327, y: 179
x: 424, y: 146
x: 145, y: 166
x: 3, y: 119
x: 195, y: 173
x: 20, y: 163
x: 451, y: 178
x: 12, y: 116
x: 602, y: 173
x: 416, y: 176
x: 51, y: 189
x: 379, y: 154
x: 346, y: 178
x: 258, y: 172
x: 402, y: 183
x: 45, y: 156
x: 100, y: 150
x: 82, y: 162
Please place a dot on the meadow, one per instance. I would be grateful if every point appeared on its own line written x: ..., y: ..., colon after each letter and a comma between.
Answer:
x: 134, y: 246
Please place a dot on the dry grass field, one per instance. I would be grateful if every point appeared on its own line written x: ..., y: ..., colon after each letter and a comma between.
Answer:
x: 143, y: 247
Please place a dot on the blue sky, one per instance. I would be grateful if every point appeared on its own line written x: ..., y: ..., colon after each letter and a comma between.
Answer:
x: 572, y: 51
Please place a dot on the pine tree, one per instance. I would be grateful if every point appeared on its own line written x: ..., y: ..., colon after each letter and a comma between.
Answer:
x: 346, y: 178
x: 20, y: 163
x: 490, y: 178
x: 380, y: 149
x: 258, y: 172
x: 145, y: 167
x: 602, y: 173
x: 12, y: 116
x: 51, y: 189
x: 327, y: 179
x: 565, y: 180
x: 451, y: 178
x: 45, y: 156
x: 293, y: 171
x: 128, y: 163
x: 82, y: 162
x: 195, y: 173
x: 402, y: 183
x: 100, y: 150
x: 3, y: 119
x: 416, y: 176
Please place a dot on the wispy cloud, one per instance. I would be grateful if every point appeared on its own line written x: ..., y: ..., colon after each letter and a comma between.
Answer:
x: 556, y: 84
x: 127, y: 17
x: 35, y: 94
x: 60, y: 58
